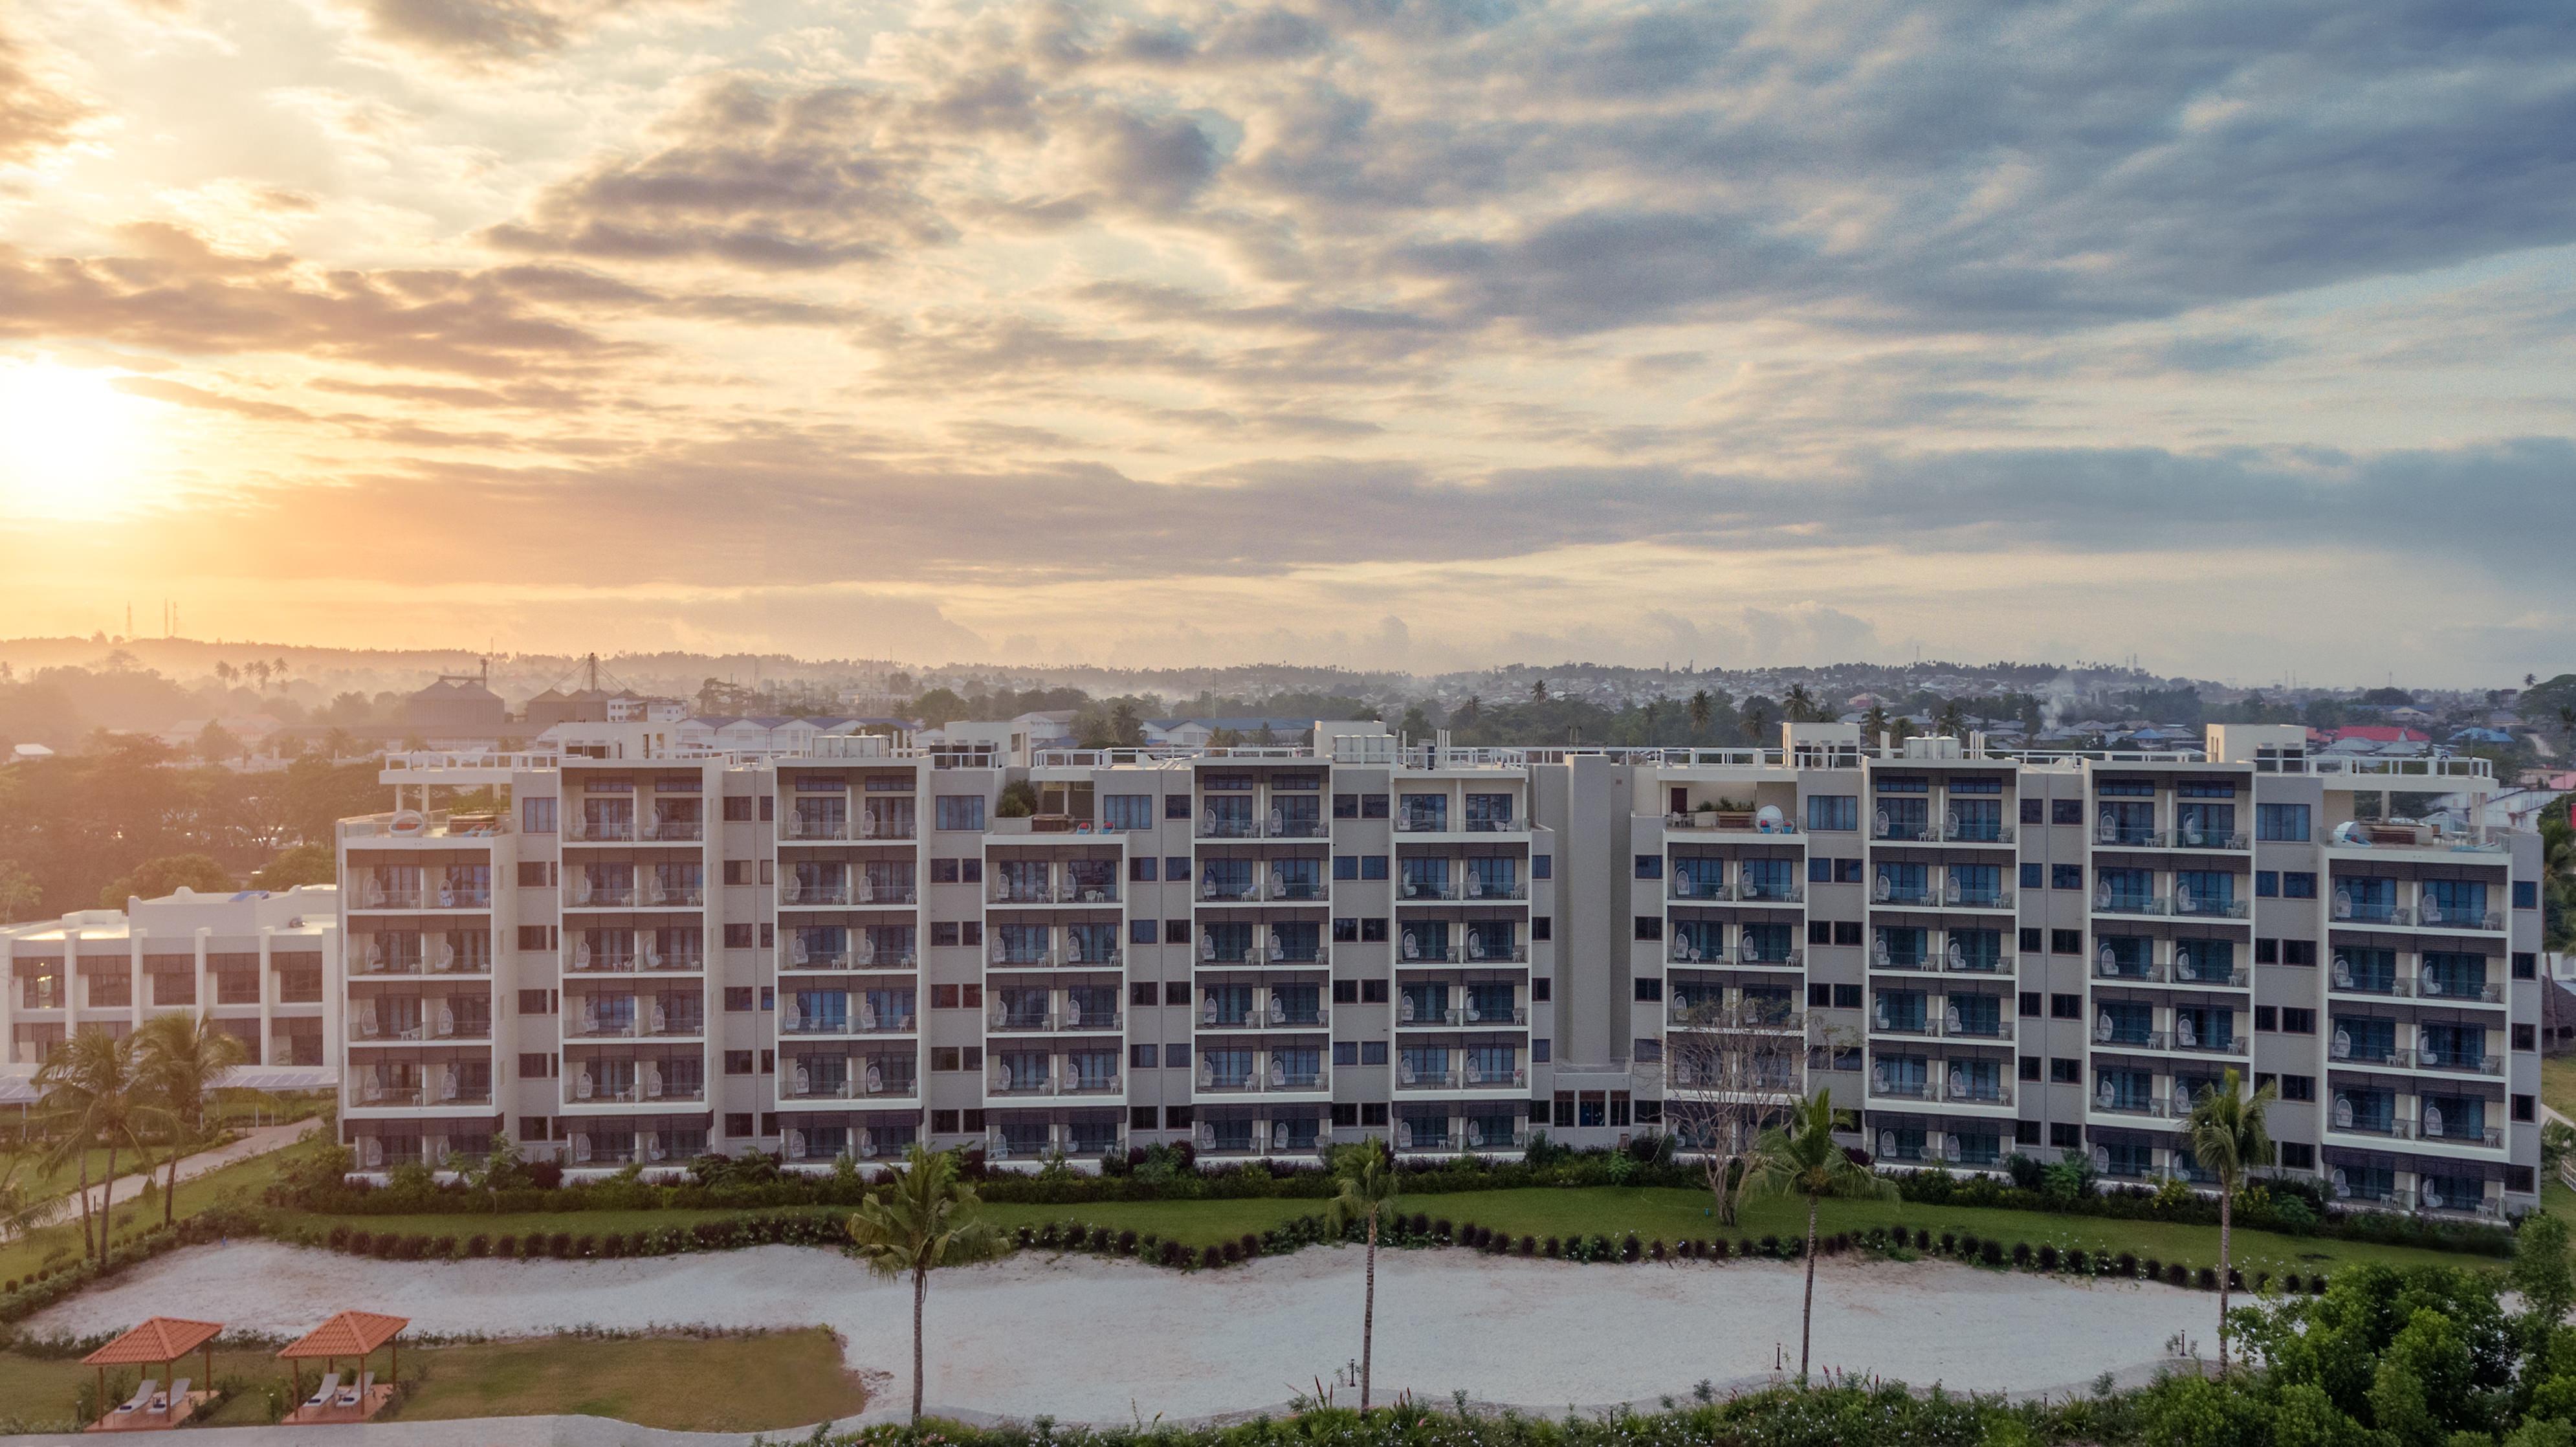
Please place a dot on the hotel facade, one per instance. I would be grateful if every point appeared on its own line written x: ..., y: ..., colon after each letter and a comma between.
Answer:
x: 649, y: 952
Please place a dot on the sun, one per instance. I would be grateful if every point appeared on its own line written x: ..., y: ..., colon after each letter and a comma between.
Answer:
x: 71, y: 444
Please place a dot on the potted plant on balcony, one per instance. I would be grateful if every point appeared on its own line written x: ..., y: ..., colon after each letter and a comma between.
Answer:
x: 1734, y: 814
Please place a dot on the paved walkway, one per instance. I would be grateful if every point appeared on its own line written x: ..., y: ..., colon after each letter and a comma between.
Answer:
x: 127, y: 1187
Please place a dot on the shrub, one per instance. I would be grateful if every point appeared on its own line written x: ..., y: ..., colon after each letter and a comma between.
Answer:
x: 1655, y: 1249
x: 2262, y: 1281
x: 2021, y: 1253
x: 2317, y: 1284
x: 1441, y: 1230
x: 1601, y: 1248
x: 1629, y: 1249
x: 1230, y: 1253
x: 1552, y: 1247
x: 1686, y: 1249
x: 1745, y: 1248
x: 613, y: 1247
x: 2047, y: 1257
x: 2076, y: 1259
x: 1027, y: 1235
x: 2209, y: 1278
x: 1770, y: 1246
x: 506, y: 1248
x: 338, y: 1241
x: 1210, y: 1257
x: 2177, y: 1274
x: 2155, y: 1270
x: 1420, y: 1224
x: 1923, y: 1240
x: 360, y: 1243
x: 2290, y: 1283
x: 586, y: 1248
x: 1715, y: 1250
x: 1968, y: 1245
x: 1126, y: 1243
x: 1992, y: 1253
x: 1046, y: 1234
x: 1529, y: 1246
x: 1169, y: 1254
x: 1949, y: 1243
x: 478, y: 1246
x: 559, y: 1245
x: 1102, y: 1239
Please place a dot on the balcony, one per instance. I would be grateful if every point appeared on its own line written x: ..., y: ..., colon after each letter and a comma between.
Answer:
x: 2190, y: 1040
x: 599, y: 831
x: 1471, y: 890
x: 1711, y: 1016
x: 863, y: 830
x: 376, y: 1095
x: 1274, y: 827
x: 2191, y: 837
x: 1954, y: 832
x: 2147, y: 1107
x: 1943, y: 1028
x: 864, y: 1021
x: 1277, y: 1079
x: 2107, y: 1036
x: 1731, y: 821
x: 2193, y: 907
x: 2133, y: 904
x: 1459, y: 1016
x: 844, y: 895
x: 676, y: 831
x: 1960, y: 896
x: 2212, y: 976
x: 1277, y: 1017
x: 586, y: 895
x: 1465, y: 1077
x: 1516, y: 953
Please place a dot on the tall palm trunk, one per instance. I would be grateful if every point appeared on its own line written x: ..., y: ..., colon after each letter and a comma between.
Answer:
x: 89, y: 1244
x: 2226, y: 1222
x: 920, y: 1291
x: 1368, y: 1315
x: 107, y: 1203
x: 1807, y: 1313
x: 170, y: 1196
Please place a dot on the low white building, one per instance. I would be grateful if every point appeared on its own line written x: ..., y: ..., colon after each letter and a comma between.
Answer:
x: 261, y: 965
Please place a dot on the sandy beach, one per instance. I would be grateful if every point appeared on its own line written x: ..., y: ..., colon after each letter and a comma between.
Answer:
x: 1089, y: 1340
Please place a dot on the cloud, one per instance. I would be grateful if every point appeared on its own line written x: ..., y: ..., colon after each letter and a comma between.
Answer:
x: 767, y: 182
x: 36, y: 114
x: 486, y: 31
x: 183, y: 395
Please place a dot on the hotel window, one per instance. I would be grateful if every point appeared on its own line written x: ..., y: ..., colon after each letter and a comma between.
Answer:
x: 2281, y: 822
x: 963, y: 812
x: 1833, y: 811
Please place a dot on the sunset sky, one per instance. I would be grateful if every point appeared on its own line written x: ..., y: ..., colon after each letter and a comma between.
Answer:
x: 1429, y: 335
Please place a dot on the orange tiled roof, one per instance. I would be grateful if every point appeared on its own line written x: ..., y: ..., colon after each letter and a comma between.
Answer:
x: 162, y: 1339
x: 350, y: 1334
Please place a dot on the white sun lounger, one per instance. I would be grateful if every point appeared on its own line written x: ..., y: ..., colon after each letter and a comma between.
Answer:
x: 322, y: 1394
x: 162, y: 1406
x: 356, y: 1396
x: 142, y: 1397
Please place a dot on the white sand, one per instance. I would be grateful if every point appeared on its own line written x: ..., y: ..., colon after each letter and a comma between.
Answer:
x: 1083, y: 1339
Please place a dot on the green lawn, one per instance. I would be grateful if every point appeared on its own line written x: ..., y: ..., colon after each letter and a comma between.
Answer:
x: 2558, y: 1083
x: 1676, y: 1215
x: 241, y: 1182
x: 475, y: 1223
x: 746, y: 1383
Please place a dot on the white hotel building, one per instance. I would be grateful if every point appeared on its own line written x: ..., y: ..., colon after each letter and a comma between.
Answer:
x: 261, y: 965
x: 657, y: 951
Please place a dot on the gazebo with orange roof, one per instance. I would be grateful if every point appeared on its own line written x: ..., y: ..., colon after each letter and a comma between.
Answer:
x: 352, y: 1334
x: 162, y: 1341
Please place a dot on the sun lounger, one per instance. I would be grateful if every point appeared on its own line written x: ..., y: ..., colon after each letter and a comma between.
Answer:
x: 141, y: 1398
x: 161, y: 1406
x: 356, y: 1396
x: 323, y: 1393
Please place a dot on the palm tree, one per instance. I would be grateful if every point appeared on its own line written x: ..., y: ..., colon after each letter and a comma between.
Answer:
x: 1953, y: 721
x: 922, y: 1221
x: 1800, y: 704
x: 1702, y: 709
x: 179, y: 1061
x: 1873, y: 724
x: 1757, y: 717
x: 1368, y: 1188
x: 1802, y: 1160
x: 93, y: 1096
x: 2227, y: 1139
